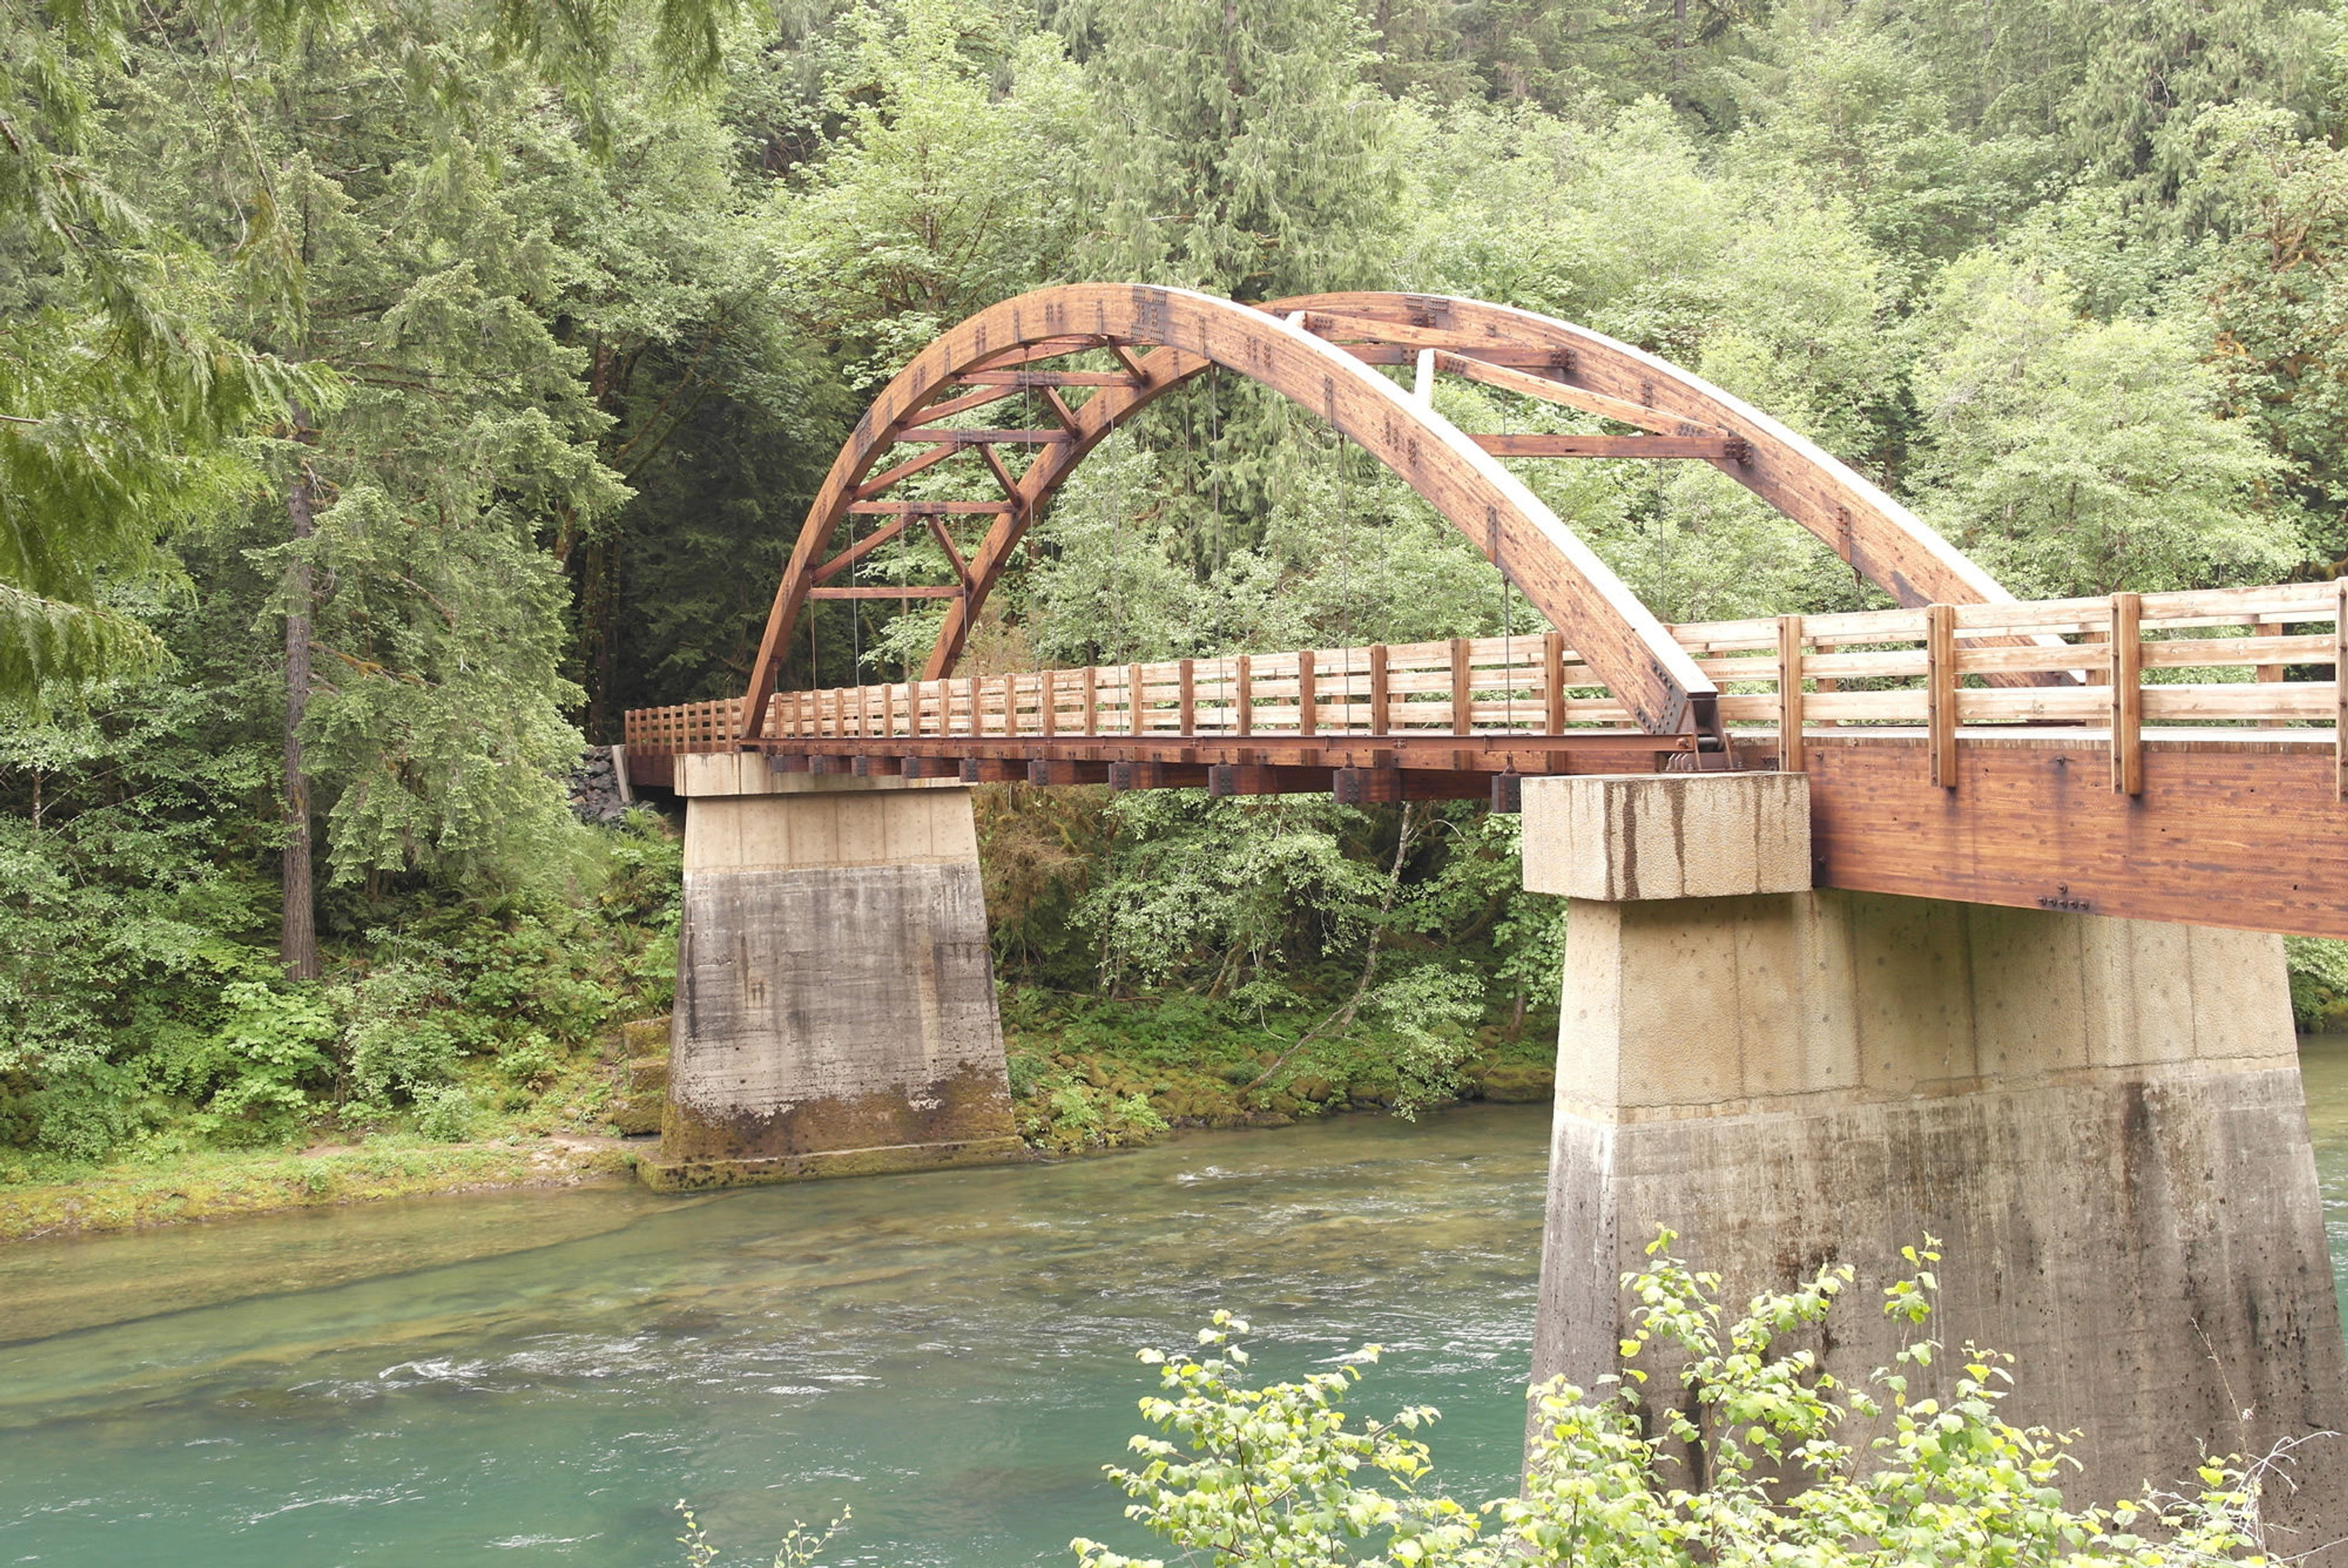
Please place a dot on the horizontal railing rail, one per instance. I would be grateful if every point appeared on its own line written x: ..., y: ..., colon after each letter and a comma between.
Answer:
x: 2238, y: 660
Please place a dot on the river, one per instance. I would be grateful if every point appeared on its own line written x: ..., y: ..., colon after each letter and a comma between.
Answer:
x: 537, y: 1377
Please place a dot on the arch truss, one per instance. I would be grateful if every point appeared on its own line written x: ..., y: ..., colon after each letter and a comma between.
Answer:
x: 1325, y: 352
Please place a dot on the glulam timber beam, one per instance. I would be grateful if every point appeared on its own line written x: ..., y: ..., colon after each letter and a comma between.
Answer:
x: 1712, y: 449
x: 1547, y: 360
x: 2250, y: 834
x: 968, y: 401
x: 863, y: 546
x: 1576, y: 750
x: 985, y: 438
x: 1021, y: 380
x: 1877, y: 536
x: 906, y: 470
x: 1550, y: 390
x: 1161, y: 337
x: 931, y: 509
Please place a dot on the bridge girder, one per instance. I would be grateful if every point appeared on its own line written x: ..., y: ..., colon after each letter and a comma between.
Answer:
x: 1320, y: 350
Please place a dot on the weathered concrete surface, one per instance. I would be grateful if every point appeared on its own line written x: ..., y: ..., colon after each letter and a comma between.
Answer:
x: 1669, y: 835
x: 835, y: 1010
x: 2101, y: 1119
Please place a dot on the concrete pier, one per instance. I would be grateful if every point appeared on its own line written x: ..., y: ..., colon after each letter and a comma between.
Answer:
x: 2101, y: 1119
x: 835, y: 1008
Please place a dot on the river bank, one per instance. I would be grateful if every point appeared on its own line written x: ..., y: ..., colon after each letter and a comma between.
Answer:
x: 215, y: 1185
x: 1084, y: 1079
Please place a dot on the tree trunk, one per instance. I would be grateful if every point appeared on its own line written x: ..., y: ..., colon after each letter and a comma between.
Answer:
x: 297, y: 939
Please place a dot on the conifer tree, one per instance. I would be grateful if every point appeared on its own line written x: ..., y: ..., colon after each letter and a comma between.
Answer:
x: 1243, y: 151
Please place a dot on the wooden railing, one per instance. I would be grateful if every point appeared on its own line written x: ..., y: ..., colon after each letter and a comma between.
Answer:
x: 685, y: 728
x: 2222, y: 658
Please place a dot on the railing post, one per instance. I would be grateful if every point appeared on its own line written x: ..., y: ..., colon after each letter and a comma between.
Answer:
x: 1308, y: 696
x: 1553, y: 682
x: 2128, y: 693
x: 1379, y: 718
x: 1246, y: 677
x: 1133, y: 697
x: 2340, y: 689
x: 1463, y: 706
x: 1940, y: 687
x: 1791, y: 758
x: 1048, y: 703
x: 977, y: 710
x: 1187, y: 677
x: 1092, y: 700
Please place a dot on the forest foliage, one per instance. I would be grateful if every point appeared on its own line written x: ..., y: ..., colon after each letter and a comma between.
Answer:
x: 395, y: 393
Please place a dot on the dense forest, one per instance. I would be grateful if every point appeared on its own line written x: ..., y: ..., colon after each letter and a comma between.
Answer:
x: 396, y: 391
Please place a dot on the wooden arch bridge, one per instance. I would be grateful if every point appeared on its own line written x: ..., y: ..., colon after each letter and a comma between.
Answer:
x: 2168, y: 756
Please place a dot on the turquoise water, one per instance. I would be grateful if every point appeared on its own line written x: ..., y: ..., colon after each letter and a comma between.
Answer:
x: 537, y: 1377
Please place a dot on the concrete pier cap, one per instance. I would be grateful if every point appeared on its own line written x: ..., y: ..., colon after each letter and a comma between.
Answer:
x: 835, y: 1000
x: 1613, y: 839
x: 2101, y: 1119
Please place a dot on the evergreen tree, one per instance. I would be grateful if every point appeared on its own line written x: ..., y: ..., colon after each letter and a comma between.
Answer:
x: 1240, y: 149
x: 119, y: 401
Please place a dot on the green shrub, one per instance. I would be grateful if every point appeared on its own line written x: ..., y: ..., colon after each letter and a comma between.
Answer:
x: 395, y: 1044
x: 1072, y: 1105
x: 1024, y: 1073
x: 443, y: 1111
x: 1237, y: 1474
x: 1133, y: 1120
x: 254, y: 1074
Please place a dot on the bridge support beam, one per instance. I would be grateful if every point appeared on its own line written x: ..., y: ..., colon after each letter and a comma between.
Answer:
x: 835, y: 1008
x: 2101, y: 1119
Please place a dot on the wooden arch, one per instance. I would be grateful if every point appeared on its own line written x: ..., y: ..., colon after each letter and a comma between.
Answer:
x: 1321, y: 351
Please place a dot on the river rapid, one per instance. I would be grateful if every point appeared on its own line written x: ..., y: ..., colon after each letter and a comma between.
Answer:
x: 537, y: 1377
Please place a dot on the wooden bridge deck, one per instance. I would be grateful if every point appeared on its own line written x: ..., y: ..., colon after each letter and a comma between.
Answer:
x: 2180, y: 761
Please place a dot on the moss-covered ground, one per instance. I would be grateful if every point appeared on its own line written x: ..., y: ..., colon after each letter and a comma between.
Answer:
x: 214, y: 1184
